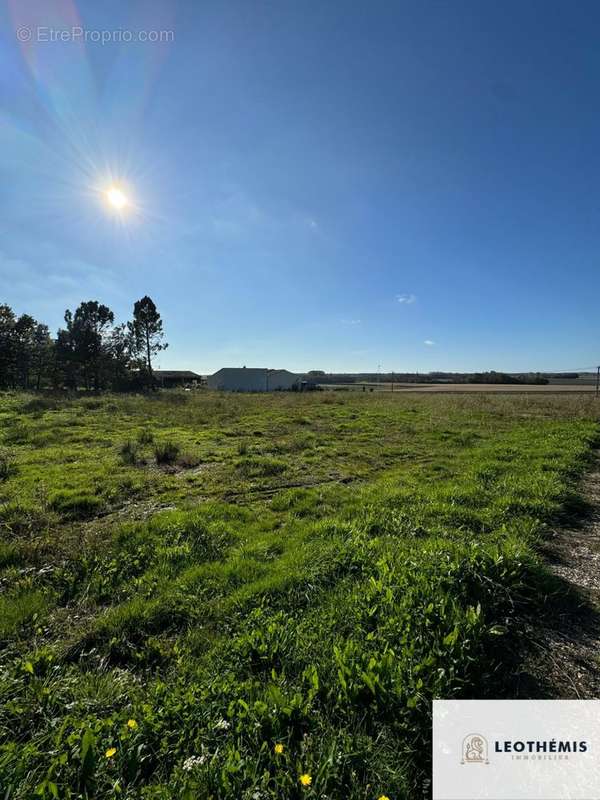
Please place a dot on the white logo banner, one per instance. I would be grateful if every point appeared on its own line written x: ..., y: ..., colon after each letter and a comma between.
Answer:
x: 516, y: 749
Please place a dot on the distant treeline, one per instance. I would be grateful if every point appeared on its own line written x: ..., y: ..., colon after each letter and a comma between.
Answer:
x: 431, y: 377
x: 503, y: 377
x: 90, y: 352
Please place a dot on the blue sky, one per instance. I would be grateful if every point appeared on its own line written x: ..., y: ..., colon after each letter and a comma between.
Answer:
x: 315, y: 185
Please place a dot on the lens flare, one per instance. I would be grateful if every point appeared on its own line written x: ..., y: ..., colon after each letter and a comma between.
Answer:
x: 116, y: 198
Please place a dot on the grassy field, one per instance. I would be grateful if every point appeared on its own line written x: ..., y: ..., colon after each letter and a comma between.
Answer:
x: 207, y: 596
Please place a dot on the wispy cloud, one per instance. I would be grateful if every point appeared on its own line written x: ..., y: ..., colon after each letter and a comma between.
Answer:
x: 351, y: 321
x: 406, y: 299
x: 60, y: 283
x: 429, y: 342
x: 236, y: 214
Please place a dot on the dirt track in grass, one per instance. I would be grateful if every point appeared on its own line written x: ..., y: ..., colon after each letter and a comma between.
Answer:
x: 565, y: 639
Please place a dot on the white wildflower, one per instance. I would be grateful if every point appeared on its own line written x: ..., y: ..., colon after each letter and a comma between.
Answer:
x: 194, y: 761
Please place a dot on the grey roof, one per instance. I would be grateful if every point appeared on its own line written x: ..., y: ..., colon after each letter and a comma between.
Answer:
x: 261, y: 370
x: 176, y: 373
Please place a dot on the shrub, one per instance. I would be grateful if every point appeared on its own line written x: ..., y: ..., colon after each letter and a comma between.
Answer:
x: 166, y: 452
x: 129, y: 452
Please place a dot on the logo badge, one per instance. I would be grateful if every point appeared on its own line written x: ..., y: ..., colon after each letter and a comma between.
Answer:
x: 474, y: 749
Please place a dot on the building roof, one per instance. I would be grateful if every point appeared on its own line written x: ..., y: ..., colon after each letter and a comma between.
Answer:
x: 260, y: 370
x: 176, y: 373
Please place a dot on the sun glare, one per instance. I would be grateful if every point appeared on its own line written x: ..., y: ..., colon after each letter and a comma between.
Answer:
x: 116, y: 198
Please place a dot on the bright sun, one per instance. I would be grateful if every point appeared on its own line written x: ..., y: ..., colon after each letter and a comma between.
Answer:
x: 116, y: 198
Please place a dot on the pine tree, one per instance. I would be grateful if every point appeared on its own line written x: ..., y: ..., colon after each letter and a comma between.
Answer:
x: 146, y: 331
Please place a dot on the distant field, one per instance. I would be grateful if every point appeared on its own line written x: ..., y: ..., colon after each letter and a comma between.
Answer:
x: 446, y: 388
x: 210, y: 596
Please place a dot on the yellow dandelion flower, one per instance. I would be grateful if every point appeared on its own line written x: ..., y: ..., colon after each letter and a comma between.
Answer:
x: 383, y: 797
x: 132, y: 724
x: 305, y: 779
x: 110, y: 752
x: 278, y: 749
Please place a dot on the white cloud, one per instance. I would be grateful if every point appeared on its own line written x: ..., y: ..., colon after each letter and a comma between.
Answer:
x: 351, y: 322
x: 406, y: 299
x: 429, y: 342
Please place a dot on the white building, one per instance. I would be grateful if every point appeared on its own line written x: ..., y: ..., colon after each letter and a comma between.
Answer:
x: 244, y: 379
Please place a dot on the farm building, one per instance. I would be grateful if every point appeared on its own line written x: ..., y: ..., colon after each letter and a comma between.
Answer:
x: 244, y: 379
x: 169, y: 378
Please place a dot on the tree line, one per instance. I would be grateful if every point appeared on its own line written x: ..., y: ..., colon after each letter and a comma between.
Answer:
x: 89, y: 352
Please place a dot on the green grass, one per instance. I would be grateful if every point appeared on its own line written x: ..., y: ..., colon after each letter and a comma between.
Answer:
x: 304, y: 570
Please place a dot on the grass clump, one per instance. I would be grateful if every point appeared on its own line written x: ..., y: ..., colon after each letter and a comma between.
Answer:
x: 72, y: 504
x: 41, y: 403
x: 23, y: 519
x: 188, y: 461
x: 9, y: 554
x: 20, y: 608
x: 16, y: 432
x: 8, y: 465
x: 252, y: 466
x: 129, y: 452
x: 166, y: 452
x: 145, y: 436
